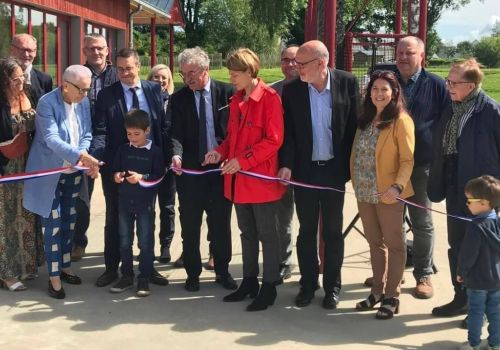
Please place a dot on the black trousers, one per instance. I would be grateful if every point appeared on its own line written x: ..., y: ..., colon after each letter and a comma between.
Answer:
x: 111, y: 234
x: 309, y: 203
x: 198, y: 194
x: 166, y: 200
x: 83, y: 217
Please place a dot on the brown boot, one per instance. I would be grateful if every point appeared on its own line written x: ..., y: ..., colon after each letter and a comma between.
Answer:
x: 424, y: 289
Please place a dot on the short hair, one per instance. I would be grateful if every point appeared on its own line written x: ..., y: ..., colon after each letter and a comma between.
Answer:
x: 137, y: 119
x: 485, y: 187
x: 288, y: 47
x: 472, y: 71
x: 93, y: 37
x: 159, y: 67
x: 196, y: 56
x: 420, y: 43
x: 128, y: 52
x: 242, y: 60
x: 18, y: 37
x: 392, y: 111
x: 76, y: 72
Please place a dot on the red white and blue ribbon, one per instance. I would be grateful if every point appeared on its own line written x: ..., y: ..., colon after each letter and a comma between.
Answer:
x: 36, y: 174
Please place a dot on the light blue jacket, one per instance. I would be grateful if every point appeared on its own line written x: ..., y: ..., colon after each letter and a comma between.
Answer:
x: 51, y: 147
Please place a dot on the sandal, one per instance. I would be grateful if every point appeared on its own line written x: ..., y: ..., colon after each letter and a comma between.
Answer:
x: 16, y: 286
x: 368, y: 303
x: 388, y: 309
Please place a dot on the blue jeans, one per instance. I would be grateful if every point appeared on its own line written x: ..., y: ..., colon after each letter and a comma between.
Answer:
x: 144, y: 220
x: 484, y: 302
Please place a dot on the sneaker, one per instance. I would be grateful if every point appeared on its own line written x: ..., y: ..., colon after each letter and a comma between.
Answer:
x: 142, y: 287
x: 126, y: 282
x: 424, y: 289
x: 77, y: 253
x: 482, y: 346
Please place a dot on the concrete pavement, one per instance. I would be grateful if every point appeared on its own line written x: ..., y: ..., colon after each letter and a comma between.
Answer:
x: 171, y: 318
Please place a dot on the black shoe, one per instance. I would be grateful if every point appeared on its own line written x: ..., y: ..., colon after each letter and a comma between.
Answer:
x: 304, y: 297
x: 57, y: 294
x: 331, y: 300
x: 158, y: 279
x: 71, y: 279
x: 126, y: 282
x: 165, y: 255
x: 179, y: 263
x: 285, y: 273
x: 249, y: 286
x: 106, y: 278
x: 192, y: 284
x: 458, y: 306
x: 227, y: 281
x: 142, y: 287
x: 266, y: 297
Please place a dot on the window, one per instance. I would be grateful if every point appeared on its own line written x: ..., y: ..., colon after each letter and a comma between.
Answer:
x: 5, y: 23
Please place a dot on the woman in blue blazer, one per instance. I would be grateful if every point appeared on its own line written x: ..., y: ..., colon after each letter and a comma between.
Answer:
x: 62, y: 139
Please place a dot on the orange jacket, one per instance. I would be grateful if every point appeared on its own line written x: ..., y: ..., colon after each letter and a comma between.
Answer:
x: 254, y: 136
x: 393, y: 156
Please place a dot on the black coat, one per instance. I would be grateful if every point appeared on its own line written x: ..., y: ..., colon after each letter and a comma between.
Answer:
x: 108, y: 131
x: 41, y: 84
x: 182, y: 107
x: 296, y: 152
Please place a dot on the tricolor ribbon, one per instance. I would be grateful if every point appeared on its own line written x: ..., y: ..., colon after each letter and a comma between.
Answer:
x: 36, y: 174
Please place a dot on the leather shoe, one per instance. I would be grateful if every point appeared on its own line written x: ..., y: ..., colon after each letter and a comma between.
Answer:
x: 106, y: 278
x: 227, y: 281
x: 165, y: 255
x: 158, y: 279
x: 71, y: 279
x: 179, y: 263
x: 285, y: 273
x: 330, y: 301
x: 192, y: 284
x: 304, y: 297
x: 56, y: 294
x: 458, y: 306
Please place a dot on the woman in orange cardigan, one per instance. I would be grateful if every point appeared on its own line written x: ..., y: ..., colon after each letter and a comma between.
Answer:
x: 381, y: 165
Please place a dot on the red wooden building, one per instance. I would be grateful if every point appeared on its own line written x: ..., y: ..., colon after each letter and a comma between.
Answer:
x: 60, y: 25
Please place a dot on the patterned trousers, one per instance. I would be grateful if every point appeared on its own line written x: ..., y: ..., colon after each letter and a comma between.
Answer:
x: 59, y: 227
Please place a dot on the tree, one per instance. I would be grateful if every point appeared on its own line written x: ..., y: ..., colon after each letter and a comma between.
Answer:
x: 487, y: 51
x: 466, y: 49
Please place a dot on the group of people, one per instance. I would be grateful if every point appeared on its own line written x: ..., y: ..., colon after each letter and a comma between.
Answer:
x: 414, y: 137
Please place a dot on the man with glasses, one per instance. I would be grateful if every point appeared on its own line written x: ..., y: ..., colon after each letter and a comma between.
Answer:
x: 320, y: 111
x: 109, y: 133
x: 426, y: 98
x: 23, y: 47
x: 285, y: 208
x: 199, y: 124
x: 104, y: 74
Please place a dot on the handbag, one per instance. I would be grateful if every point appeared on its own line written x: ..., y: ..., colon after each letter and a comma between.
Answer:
x: 15, y: 148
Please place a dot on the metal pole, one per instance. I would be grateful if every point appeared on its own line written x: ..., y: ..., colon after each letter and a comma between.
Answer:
x: 153, y: 41
x: 171, y: 48
x: 330, y: 28
x: 399, y: 15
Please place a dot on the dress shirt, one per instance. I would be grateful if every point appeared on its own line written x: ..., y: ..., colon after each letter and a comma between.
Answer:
x: 27, y: 74
x: 143, y: 102
x: 409, y: 87
x: 321, y: 119
x: 146, y: 146
x: 207, y: 96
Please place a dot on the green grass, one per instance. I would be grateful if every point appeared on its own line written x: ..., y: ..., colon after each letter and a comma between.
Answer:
x: 491, y: 82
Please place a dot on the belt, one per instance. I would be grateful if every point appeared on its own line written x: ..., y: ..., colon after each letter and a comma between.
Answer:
x: 321, y: 162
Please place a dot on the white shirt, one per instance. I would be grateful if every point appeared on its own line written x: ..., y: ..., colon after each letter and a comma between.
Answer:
x: 73, y: 128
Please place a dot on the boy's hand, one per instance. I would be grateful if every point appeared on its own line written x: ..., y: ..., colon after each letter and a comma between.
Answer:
x: 460, y: 279
x: 119, y: 177
x: 134, y: 177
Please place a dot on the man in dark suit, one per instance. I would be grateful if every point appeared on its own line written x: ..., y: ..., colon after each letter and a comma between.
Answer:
x: 109, y: 133
x: 199, y: 123
x: 320, y: 111
x: 23, y: 47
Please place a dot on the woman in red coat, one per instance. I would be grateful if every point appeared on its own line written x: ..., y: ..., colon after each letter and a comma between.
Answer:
x: 255, y: 134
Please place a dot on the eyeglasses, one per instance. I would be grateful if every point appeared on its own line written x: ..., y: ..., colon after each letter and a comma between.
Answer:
x: 473, y: 200
x: 80, y: 90
x: 379, y: 73
x: 301, y: 65
x: 191, y: 73
x: 31, y: 51
x: 19, y: 79
x: 287, y: 61
x: 452, y: 83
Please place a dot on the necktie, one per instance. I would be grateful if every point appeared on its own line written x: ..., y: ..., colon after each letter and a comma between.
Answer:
x: 135, y: 99
x: 202, y: 128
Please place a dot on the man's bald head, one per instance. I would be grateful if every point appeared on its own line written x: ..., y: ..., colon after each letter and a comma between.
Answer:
x: 312, y: 63
x: 23, y: 47
x: 315, y: 48
x: 410, y: 54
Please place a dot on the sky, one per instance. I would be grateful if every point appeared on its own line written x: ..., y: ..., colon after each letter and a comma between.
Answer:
x: 470, y: 22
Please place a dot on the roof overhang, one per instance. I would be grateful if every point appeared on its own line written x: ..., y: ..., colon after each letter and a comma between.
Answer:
x: 165, y: 12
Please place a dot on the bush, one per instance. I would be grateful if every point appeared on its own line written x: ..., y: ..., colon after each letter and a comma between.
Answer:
x: 487, y: 51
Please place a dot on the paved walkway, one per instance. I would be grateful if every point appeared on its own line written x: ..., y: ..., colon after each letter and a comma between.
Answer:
x: 171, y: 318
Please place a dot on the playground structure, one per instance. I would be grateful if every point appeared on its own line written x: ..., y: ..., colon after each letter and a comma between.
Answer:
x: 362, y: 51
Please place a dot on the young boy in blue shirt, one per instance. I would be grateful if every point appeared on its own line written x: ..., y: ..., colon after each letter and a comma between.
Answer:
x: 479, y: 261
x: 135, y: 161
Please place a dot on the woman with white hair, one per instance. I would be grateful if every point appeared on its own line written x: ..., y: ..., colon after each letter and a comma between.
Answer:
x: 62, y: 139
